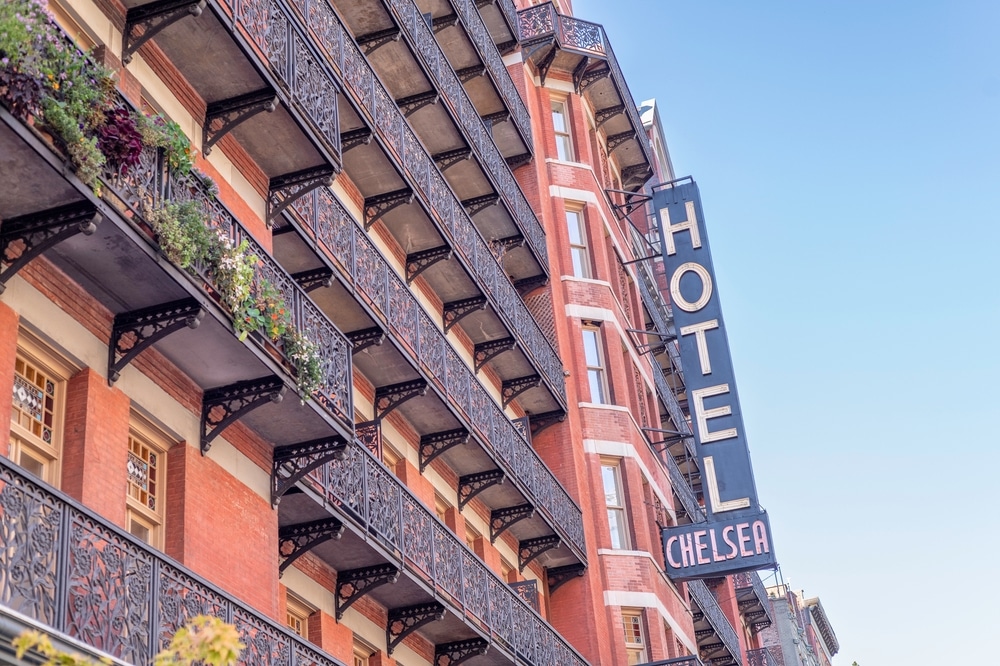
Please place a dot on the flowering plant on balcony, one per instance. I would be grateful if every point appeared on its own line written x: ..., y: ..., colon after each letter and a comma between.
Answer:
x: 304, y: 355
x: 181, y: 232
x: 159, y: 132
x: 119, y: 140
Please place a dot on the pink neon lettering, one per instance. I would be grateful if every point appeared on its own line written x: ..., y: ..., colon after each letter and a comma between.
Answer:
x: 760, y: 543
x: 726, y: 531
x: 744, y: 539
x: 699, y: 539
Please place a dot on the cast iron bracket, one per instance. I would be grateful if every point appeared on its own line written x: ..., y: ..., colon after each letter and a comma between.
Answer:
x: 413, y: 103
x: 442, y: 22
x: 502, y: 519
x: 487, y: 351
x: 134, y: 331
x: 636, y: 174
x: 558, y: 576
x: 604, y: 115
x: 453, y: 654
x: 223, y: 406
x: 380, y: 204
x: 455, y: 311
x: 294, y: 541
x: 546, y: 61
x: 512, y: 388
x: 468, y: 73
x: 388, y: 398
x: 404, y: 621
x: 352, y: 584
x: 25, y: 237
x: 314, y: 279
x: 376, y: 40
x: 501, y: 246
x: 354, y: 138
x: 418, y: 262
x: 477, y: 205
x: 436, y: 443
x: 225, y: 115
x: 528, y: 285
x: 450, y: 158
x: 615, y: 141
x: 591, y: 76
x: 492, y: 119
x: 153, y: 18
x: 369, y: 434
x: 529, y: 549
x: 365, y: 338
x: 516, y: 161
x: 285, y: 189
x: 292, y: 462
x: 539, y: 422
x: 471, y: 485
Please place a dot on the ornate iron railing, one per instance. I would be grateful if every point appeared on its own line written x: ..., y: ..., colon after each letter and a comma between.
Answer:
x: 708, y: 604
x: 761, y: 657
x: 682, y: 487
x: 387, y: 294
x: 586, y: 38
x: 369, y: 495
x: 490, y: 56
x: 382, y: 114
x: 66, y: 567
x: 152, y: 184
x: 408, y: 15
x: 676, y: 661
x: 751, y: 579
x: 510, y: 13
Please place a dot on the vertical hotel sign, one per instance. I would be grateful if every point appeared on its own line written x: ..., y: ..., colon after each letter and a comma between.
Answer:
x: 737, y: 535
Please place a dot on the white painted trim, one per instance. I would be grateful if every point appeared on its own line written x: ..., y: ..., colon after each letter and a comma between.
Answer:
x: 626, y: 599
x: 604, y: 447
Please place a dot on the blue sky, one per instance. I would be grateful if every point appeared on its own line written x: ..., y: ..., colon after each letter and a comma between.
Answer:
x: 848, y: 155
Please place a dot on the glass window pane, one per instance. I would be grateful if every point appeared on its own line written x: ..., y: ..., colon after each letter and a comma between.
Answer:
x: 590, y: 347
x: 558, y: 117
x: 573, y: 224
x: 596, y: 378
x: 610, y: 477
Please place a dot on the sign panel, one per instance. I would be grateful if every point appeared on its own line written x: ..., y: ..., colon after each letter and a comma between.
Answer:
x: 737, y: 535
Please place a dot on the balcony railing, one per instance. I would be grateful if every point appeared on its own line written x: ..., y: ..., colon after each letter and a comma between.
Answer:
x: 69, y: 569
x: 379, y: 285
x: 676, y: 661
x: 750, y: 588
x: 369, y: 495
x: 413, y: 22
x: 708, y: 604
x: 761, y: 657
x: 382, y: 114
x: 510, y: 13
x: 751, y: 579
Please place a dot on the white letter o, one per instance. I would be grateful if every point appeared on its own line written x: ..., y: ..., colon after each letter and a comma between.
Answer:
x: 675, y: 287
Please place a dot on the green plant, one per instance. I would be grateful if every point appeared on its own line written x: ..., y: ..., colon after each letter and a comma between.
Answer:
x: 159, y: 132
x: 182, y: 232
x: 304, y: 355
x: 234, y: 268
x: 274, y: 316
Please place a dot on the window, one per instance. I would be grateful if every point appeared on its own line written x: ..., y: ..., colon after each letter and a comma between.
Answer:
x: 297, y: 614
x: 362, y: 652
x: 595, y: 365
x: 36, y: 419
x: 471, y: 534
x: 147, y: 471
x: 615, y: 501
x: 560, y: 123
x: 507, y: 572
x: 578, y: 243
x: 635, y: 646
x: 391, y: 458
x: 441, y: 507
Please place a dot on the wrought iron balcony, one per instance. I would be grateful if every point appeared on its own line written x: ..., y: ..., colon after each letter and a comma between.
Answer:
x: 360, y: 489
x: 724, y: 636
x: 550, y: 39
x: 69, y: 569
x: 380, y: 112
x: 354, y: 256
x: 761, y: 657
x: 676, y: 661
x: 755, y: 606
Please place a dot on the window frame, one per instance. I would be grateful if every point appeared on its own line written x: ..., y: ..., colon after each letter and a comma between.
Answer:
x: 597, y: 374
x: 153, y: 520
x: 635, y: 651
x: 579, y: 248
x: 618, y: 523
x: 565, y: 150
x: 298, y: 609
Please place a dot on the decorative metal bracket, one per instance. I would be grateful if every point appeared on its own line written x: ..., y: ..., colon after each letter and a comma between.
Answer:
x: 25, y: 237
x: 492, y: 119
x: 134, y: 331
x: 376, y: 40
x: 471, y: 485
x: 501, y: 246
x: 502, y: 519
x: 436, y: 443
x: 516, y: 161
x: 352, y: 584
x: 225, y: 115
x: 442, y: 22
x: 369, y: 434
x: 515, y: 387
x: 546, y: 62
x: 604, y: 115
x: 528, y: 285
x: 468, y: 73
x: 539, y: 422
x: 477, y: 205
x: 388, y: 398
x: 292, y: 462
x: 314, y: 279
x: 418, y: 262
x: 453, y: 654
x: 380, y: 204
x: 529, y: 549
x: 354, y: 138
x: 616, y: 141
x: 285, y: 189
x: 558, y: 576
x: 636, y: 175
x: 701, y: 633
x: 506, y: 47
x: 455, y: 311
x: 413, y: 103
x: 450, y: 158
x: 365, y: 338
x: 294, y: 541
x: 404, y: 621
x: 487, y: 351
x: 591, y: 76
x: 153, y: 18
x: 223, y: 406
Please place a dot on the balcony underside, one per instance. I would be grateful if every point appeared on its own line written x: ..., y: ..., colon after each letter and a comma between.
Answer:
x: 121, y: 268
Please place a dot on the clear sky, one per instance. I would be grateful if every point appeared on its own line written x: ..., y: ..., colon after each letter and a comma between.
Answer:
x: 848, y: 155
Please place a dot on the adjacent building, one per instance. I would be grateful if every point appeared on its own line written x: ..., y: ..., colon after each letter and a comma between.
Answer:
x: 801, y: 634
x: 382, y: 372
